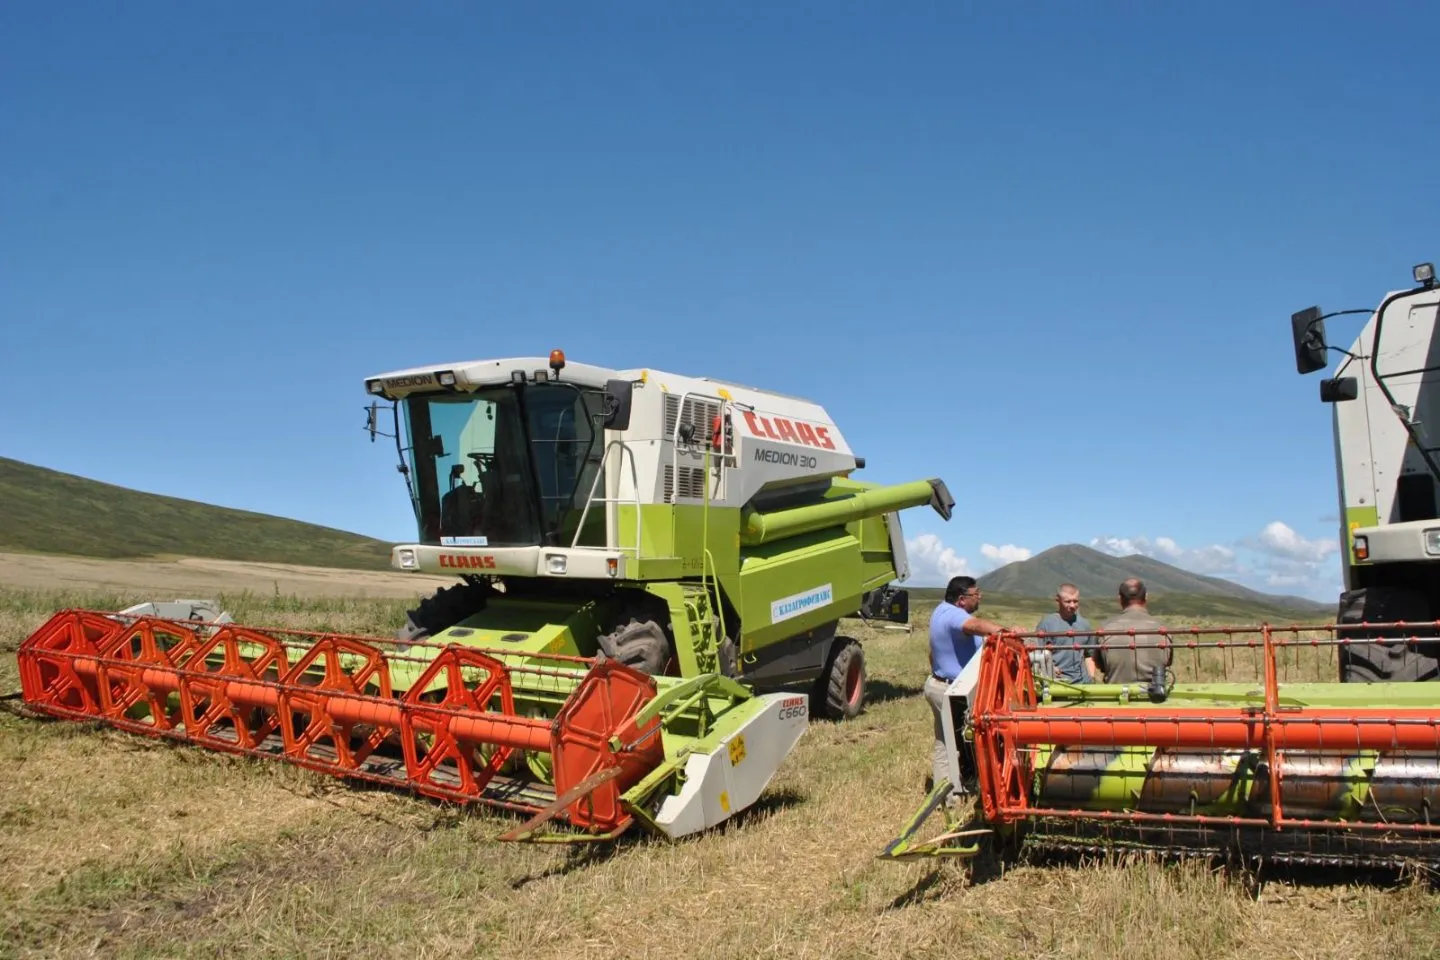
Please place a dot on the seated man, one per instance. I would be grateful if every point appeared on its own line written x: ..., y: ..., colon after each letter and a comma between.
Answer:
x: 1073, y: 656
x: 1114, y: 656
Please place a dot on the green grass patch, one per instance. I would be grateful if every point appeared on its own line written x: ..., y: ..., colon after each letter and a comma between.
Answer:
x: 46, y: 511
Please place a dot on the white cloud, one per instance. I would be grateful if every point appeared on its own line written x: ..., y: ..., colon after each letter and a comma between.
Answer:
x: 999, y: 556
x: 1213, y: 560
x: 1277, y: 559
x: 932, y: 562
x: 1117, y: 546
x: 1167, y: 547
x: 1281, y: 541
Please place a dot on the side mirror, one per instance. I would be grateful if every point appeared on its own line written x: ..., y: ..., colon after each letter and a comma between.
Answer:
x: 617, y: 404
x: 372, y: 421
x: 1308, y: 332
x: 1339, y: 389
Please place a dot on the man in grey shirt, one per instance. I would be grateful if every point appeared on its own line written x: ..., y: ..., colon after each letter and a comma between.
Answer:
x: 1072, y: 655
x: 1115, y: 658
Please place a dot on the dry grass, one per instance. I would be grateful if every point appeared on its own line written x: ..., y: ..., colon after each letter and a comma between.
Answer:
x: 117, y: 846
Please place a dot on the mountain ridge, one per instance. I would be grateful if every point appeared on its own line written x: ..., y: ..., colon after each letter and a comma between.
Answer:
x: 1099, y: 574
x: 43, y: 510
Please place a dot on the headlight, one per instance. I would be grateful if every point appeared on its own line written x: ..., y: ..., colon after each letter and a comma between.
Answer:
x: 1432, y: 541
x: 555, y: 564
x: 407, y: 559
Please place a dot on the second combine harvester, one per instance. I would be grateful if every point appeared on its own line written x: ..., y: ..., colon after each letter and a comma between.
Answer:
x: 1277, y: 743
x: 651, y: 570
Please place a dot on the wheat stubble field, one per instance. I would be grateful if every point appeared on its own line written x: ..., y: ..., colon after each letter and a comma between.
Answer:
x: 119, y: 846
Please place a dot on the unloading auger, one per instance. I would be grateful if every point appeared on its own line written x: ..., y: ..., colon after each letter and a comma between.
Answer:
x: 589, y: 742
x: 652, y: 570
x: 1277, y: 761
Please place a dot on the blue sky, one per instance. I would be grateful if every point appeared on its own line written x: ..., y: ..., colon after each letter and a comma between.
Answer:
x: 981, y: 235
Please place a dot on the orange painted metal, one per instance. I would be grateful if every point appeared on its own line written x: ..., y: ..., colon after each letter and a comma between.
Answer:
x: 1009, y: 724
x: 325, y: 702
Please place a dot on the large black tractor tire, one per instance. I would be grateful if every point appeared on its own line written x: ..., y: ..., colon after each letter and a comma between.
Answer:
x: 1407, y: 661
x: 641, y: 644
x: 839, y: 694
x: 442, y: 610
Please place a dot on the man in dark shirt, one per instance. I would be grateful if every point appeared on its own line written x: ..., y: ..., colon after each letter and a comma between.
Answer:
x: 1114, y: 656
x: 1072, y: 655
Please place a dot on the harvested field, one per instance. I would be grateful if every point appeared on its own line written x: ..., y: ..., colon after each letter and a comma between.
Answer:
x: 197, y: 576
x: 118, y: 846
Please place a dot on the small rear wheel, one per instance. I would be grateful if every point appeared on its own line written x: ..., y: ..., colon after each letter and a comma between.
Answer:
x: 840, y: 691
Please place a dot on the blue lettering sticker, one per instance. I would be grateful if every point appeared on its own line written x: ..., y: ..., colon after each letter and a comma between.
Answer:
x: 794, y: 606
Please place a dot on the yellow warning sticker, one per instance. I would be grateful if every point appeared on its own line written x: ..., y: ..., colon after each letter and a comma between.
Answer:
x: 737, y: 751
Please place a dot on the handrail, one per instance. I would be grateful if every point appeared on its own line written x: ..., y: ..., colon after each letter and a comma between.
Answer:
x: 707, y: 560
x: 722, y: 403
x: 635, y: 483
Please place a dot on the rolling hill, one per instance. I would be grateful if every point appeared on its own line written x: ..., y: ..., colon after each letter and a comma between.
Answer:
x: 1098, y: 574
x: 1172, y: 591
x: 46, y: 511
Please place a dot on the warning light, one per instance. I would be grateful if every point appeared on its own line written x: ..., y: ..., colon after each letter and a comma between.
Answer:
x: 557, y: 360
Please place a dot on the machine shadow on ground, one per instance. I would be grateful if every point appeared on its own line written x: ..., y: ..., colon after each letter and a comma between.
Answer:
x: 883, y: 691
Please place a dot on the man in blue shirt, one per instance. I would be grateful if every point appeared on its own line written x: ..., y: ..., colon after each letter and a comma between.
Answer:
x: 955, y: 635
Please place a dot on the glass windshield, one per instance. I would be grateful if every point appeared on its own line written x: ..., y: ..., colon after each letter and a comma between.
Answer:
x: 506, y: 466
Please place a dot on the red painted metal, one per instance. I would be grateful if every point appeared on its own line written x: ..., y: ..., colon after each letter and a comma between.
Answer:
x: 604, y: 706
x: 1009, y: 723
x: 325, y: 702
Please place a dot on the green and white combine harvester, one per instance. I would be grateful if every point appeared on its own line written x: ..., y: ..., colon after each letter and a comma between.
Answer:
x: 651, y: 569
x: 1317, y: 744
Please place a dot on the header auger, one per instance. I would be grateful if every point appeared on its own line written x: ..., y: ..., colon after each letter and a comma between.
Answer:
x: 651, y: 572
x: 1275, y: 761
x: 591, y: 743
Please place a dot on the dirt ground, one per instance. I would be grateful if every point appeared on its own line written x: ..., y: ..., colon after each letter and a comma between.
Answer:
x: 197, y: 577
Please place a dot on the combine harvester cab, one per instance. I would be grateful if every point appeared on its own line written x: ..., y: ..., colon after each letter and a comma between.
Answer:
x: 1258, y: 754
x: 651, y: 570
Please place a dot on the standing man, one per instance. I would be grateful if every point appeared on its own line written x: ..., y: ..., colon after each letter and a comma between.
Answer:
x: 955, y: 634
x: 1115, y: 658
x: 1074, y: 657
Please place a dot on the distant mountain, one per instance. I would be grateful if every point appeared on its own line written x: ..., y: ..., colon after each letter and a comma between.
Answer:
x: 46, y: 511
x: 1098, y: 575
